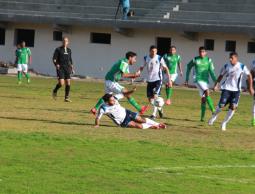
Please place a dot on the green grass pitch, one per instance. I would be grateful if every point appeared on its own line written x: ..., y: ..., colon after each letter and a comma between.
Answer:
x: 49, y: 146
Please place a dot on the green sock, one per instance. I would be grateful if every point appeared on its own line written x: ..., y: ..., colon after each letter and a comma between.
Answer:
x: 203, y: 109
x: 134, y: 103
x: 99, y: 103
x: 210, y: 103
x: 19, y: 76
x: 169, y: 92
x: 27, y: 75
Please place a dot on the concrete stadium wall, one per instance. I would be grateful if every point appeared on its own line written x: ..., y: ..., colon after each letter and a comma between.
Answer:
x: 95, y: 59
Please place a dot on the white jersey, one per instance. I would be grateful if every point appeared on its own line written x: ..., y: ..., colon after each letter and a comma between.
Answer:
x: 154, y: 67
x: 116, y: 112
x: 234, y: 75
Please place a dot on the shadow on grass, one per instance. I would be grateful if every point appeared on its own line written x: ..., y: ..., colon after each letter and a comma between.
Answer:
x: 53, y: 122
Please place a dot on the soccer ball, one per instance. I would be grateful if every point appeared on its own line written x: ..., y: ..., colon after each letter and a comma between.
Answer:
x: 159, y: 102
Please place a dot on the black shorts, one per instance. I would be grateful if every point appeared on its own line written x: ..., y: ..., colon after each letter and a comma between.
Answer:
x: 130, y: 116
x: 229, y: 97
x: 64, y: 72
x: 153, y: 88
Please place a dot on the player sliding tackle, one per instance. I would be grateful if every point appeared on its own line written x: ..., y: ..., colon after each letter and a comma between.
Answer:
x: 203, y: 68
x: 118, y: 71
x: 124, y: 117
x: 231, y: 88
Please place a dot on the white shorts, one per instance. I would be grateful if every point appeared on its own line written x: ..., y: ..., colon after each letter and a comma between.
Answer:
x: 173, y: 78
x: 202, y: 87
x: 114, y: 87
x: 22, y: 67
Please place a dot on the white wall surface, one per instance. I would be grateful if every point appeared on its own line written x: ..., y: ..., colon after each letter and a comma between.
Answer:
x: 95, y: 59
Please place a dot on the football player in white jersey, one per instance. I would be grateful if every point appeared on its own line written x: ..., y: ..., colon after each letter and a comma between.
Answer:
x: 231, y: 88
x: 124, y: 117
x: 155, y: 64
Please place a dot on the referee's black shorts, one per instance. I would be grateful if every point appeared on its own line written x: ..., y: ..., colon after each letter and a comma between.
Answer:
x: 64, y: 72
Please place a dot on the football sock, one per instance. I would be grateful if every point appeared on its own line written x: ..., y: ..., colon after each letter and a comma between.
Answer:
x: 99, y: 103
x: 132, y: 101
x: 229, y: 115
x: 56, y: 88
x: 210, y: 103
x: 169, y: 92
x: 27, y: 76
x: 155, y: 109
x: 146, y: 126
x: 19, y: 76
x: 203, y: 109
x: 67, y: 90
x: 151, y: 122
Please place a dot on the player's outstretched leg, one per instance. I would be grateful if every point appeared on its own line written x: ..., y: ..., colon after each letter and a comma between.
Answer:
x: 214, y: 116
x: 28, y: 77
x: 132, y: 101
x: 145, y: 123
x: 19, y: 77
x: 169, y: 93
x: 203, y: 108
x: 228, y: 117
x: 57, y: 87
x: 67, y: 90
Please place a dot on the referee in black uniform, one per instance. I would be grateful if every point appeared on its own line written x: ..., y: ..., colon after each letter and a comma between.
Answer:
x: 63, y: 62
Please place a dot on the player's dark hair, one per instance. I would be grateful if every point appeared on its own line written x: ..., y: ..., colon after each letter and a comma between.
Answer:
x: 107, y: 97
x: 201, y: 48
x: 153, y: 47
x: 233, y: 54
x: 173, y: 47
x: 130, y: 54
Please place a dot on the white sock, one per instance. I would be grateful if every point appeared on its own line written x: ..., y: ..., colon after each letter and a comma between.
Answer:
x: 146, y: 125
x: 155, y: 109
x: 151, y: 122
x: 253, y: 109
x: 217, y: 111
x: 229, y: 116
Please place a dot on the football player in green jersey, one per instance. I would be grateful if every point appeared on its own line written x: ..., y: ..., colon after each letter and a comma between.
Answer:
x: 173, y: 62
x: 118, y: 71
x: 23, y: 59
x: 203, y: 68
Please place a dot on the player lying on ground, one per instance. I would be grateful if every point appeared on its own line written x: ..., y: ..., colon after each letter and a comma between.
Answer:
x: 154, y: 65
x: 118, y: 71
x: 23, y: 60
x: 231, y: 88
x: 124, y: 117
x: 203, y: 68
x: 173, y: 61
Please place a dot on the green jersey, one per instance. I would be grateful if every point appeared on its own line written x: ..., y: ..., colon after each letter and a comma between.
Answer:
x: 203, y: 68
x: 172, y: 62
x: 117, y: 70
x: 23, y: 55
